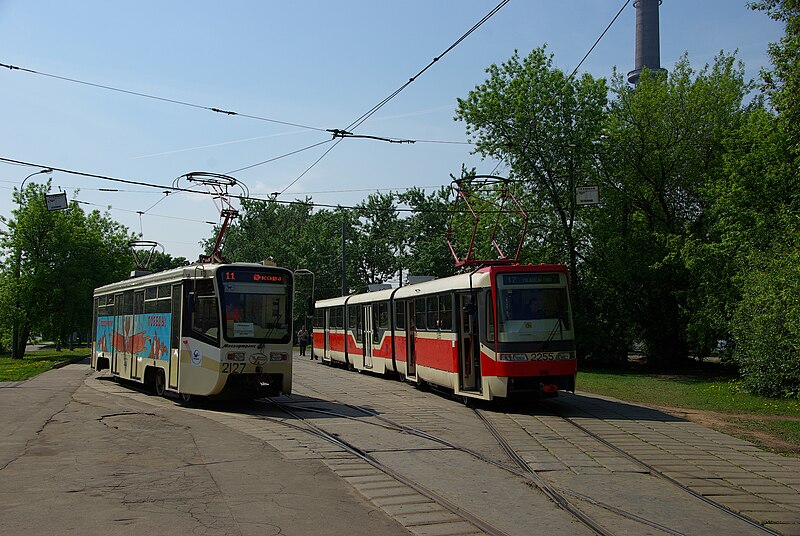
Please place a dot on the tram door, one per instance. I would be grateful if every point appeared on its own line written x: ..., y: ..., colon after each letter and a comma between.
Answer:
x: 411, y: 341
x: 469, y: 344
x: 116, y: 347
x: 175, y: 336
x: 138, y: 310
x: 326, y: 330
x: 368, y: 335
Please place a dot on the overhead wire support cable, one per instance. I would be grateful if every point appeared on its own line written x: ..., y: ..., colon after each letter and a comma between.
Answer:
x: 345, y: 134
x: 158, y: 98
x: 610, y: 24
x: 358, y: 122
x: 355, y: 124
x: 188, y: 190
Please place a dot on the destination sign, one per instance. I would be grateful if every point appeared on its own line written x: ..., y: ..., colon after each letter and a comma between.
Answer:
x: 248, y: 276
x: 530, y: 279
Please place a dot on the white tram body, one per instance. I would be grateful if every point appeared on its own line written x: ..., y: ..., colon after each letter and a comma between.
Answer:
x: 216, y: 330
x: 501, y: 331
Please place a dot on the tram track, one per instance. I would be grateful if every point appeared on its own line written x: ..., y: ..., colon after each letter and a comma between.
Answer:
x: 561, y: 496
x: 519, y: 468
x: 661, y: 475
x: 321, y: 433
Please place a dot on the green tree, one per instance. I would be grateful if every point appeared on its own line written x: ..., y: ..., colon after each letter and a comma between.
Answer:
x: 377, y: 241
x: 426, y: 251
x: 782, y: 83
x: 53, y: 262
x: 663, y: 151
x: 161, y: 261
x: 542, y: 123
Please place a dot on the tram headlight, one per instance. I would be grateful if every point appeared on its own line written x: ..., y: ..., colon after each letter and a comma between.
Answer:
x: 278, y: 356
x: 513, y: 357
x: 564, y: 355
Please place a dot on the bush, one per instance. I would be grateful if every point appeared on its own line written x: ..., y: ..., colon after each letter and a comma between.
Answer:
x: 766, y: 325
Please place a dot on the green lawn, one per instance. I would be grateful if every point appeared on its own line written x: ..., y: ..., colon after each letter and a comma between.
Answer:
x: 703, y: 392
x: 35, y: 363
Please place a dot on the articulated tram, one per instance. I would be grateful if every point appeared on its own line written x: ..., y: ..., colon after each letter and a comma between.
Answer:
x: 218, y: 330
x: 498, y: 332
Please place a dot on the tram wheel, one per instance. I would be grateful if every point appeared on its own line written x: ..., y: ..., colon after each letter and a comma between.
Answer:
x: 160, y: 383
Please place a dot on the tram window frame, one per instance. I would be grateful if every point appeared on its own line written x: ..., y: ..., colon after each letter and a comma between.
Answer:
x: 489, y: 313
x: 355, y: 321
x: 95, y: 314
x: 432, y: 312
x: 337, y: 318
x: 204, y: 308
x: 105, y: 305
x: 127, y: 302
x: 176, y: 302
x: 446, y: 312
x: 138, y: 302
x: 383, y: 315
x: 420, y: 318
x: 400, y: 315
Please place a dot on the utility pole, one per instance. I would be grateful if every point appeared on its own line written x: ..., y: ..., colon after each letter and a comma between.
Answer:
x: 344, y: 264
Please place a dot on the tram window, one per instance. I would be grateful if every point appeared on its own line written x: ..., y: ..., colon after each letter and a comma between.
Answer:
x: 105, y: 305
x: 446, y: 312
x: 94, y: 319
x: 383, y: 315
x: 164, y: 291
x: 127, y: 303
x: 157, y: 306
x: 150, y: 293
x: 205, y: 313
x: 138, y: 303
x: 400, y: 314
x: 432, y: 309
x: 176, y: 316
x: 337, y: 318
x: 419, y: 314
x: 319, y: 318
x: 489, y: 318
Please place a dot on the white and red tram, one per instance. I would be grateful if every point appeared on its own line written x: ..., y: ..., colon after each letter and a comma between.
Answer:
x: 500, y: 331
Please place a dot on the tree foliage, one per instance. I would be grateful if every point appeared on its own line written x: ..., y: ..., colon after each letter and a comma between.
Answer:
x: 543, y: 124
x: 52, y: 263
x: 661, y: 157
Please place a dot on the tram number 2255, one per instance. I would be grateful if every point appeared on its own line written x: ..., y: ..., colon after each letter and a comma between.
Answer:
x: 232, y: 368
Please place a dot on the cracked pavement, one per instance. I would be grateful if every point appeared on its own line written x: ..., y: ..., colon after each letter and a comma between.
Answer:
x: 77, y: 460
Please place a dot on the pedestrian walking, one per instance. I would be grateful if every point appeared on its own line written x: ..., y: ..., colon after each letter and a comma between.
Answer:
x: 302, y: 340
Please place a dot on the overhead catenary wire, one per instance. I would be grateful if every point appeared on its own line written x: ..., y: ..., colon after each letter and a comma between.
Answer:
x: 369, y: 113
x: 173, y: 188
x: 158, y: 98
x: 610, y: 24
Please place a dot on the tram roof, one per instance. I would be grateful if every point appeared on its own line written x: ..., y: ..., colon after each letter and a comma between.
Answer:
x: 477, y: 279
x: 191, y: 271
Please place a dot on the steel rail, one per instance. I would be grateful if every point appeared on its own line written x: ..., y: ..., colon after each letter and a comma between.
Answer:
x: 655, y: 472
x: 438, y: 499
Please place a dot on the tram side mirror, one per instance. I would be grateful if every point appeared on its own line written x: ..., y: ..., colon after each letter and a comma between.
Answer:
x: 310, y: 306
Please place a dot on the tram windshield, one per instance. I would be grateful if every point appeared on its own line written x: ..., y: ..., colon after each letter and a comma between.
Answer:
x: 533, y: 307
x: 256, y: 306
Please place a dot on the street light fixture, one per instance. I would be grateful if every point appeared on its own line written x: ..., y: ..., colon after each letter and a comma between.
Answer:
x: 17, y: 347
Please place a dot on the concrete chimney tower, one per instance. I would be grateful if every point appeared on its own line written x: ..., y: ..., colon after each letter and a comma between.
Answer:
x: 648, y: 50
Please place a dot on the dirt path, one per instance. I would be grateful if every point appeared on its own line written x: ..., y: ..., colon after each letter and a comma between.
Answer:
x: 729, y: 423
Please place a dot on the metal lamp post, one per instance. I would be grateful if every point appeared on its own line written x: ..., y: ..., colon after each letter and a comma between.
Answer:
x: 304, y: 271
x: 17, y: 351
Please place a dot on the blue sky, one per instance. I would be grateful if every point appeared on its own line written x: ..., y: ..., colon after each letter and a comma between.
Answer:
x: 313, y: 63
